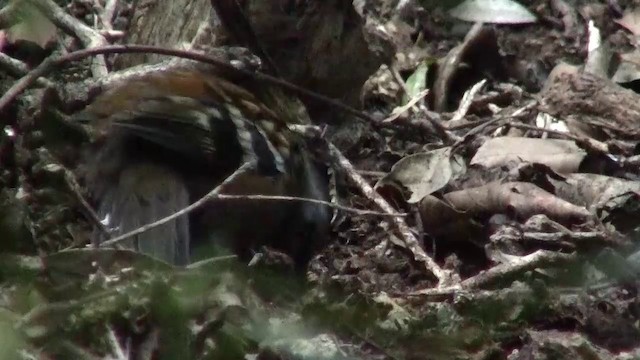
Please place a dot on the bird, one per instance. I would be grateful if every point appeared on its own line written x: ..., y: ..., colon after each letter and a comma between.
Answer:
x: 162, y: 140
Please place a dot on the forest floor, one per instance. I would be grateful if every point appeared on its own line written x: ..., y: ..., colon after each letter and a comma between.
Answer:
x: 488, y: 191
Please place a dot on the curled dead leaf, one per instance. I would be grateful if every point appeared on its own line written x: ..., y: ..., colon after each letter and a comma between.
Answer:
x: 424, y: 173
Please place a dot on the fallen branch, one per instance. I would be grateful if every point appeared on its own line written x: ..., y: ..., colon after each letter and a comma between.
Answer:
x: 445, y: 277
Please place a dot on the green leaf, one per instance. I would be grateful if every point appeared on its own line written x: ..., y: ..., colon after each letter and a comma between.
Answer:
x: 417, y: 82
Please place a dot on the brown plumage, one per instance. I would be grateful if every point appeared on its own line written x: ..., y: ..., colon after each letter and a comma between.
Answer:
x: 164, y: 140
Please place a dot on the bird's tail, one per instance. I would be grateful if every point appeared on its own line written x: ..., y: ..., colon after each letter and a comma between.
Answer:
x: 142, y: 194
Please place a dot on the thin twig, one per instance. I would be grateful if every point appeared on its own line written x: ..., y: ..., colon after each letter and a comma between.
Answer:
x: 444, y: 277
x: 537, y: 260
x: 398, y: 78
x: 74, y: 186
x: 404, y: 108
x: 493, y: 122
x: 446, y: 136
x: 418, y: 105
x: 50, y: 64
x: 107, y: 13
x: 467, y: 100
x: 593, y: 144
x: 17, y: 68
x: 211, y: 261
x: 116, y: 349
x: 315, y: 201
x: 203, y: 200
x: 215, y: 195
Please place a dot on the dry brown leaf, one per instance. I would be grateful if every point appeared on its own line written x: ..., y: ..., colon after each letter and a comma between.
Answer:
x: 563, y: 156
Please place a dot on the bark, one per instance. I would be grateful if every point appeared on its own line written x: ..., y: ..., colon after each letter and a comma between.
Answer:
x: 594, y: 106
x: 318, y: 44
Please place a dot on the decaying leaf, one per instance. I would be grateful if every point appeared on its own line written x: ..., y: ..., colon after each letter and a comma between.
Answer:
x: 629, y: 68
x: 424, y: 173
x: 631, y: 21
x: 31, y: 25
x: 615, y: 200
x: 493, y: 11
x: 521, y: 199
x: 563, y: 156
